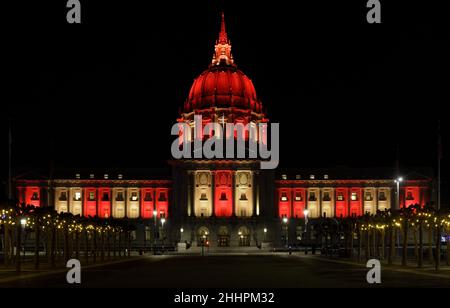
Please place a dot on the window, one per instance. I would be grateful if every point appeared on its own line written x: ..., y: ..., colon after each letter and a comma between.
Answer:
x: 162, y: 197
x: 312, y: 177
x: 120, y: 176
x: 284, y: 197
x: 91, y: 196
x: 368, y: 196
x: 77, y: 196
x: 105, y: 176
x: 203, y: 197
x: 354, y: 196
x: 326, y: 196
x: 134, y: 196
x: 35, y: 196
x: 298, y: 196
x: 63, y: 196
x: 382, y: 196
x: 77, y: 176
x: 284, y: 177
x: 409, y: 196
x: 312, y: 196
x: 91, y: 176
x: 148, y: 197
x: 119, y: 196
x: 243, y: 197
x: 325, y: 176
x: 105, y: 196
x: 223, y: 197
x: 340, y: 197
x: 147, y: 233
x: 133, y: 235
x: 298, y: 177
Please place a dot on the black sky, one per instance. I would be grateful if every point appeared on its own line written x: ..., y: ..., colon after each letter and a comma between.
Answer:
x: 344, y: 92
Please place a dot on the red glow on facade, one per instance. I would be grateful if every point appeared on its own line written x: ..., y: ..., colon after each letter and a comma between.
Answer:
x: 342, y: 198
x: 162, y: 202
x: 355, y: 201
x: 410, y: 196
x: 284, y: 202
x: 299, y: 202
x: 223, y: 199
x: 147, y: 202
x: 104, y: 202
x: 90, y: 202
x: 32, y: 196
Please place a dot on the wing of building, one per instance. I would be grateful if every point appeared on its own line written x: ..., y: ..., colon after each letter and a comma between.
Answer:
x: 223, y: 202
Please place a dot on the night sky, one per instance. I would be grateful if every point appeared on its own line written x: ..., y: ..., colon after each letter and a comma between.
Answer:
x: 344, y: 92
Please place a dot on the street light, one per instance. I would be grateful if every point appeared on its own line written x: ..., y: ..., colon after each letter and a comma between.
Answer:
x: 154, y: 231
x: 398, y: 181
x: 23, y: 222
x: 285, y: 221
x: 265, y: 234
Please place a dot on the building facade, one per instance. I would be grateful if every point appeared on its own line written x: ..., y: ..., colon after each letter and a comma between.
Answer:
x: 221, y: 202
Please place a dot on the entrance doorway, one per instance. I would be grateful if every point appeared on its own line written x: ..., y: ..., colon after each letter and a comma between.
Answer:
x: 244, y: 236
x: 224, y: 237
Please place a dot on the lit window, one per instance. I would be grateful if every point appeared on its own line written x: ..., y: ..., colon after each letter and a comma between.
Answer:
x: 298, y: 176
x: 284, y: 177
x: 340, y: 197
x: 354, y: 196
x: 325, y: 176
x: 105, y: 176
x: 91, y: 196
x: 77, y: 196
x: 134, y: 196
x: 120, y: 176
x: 77, y: 176
x: 91, y: 176
x: 368, y: 196
x: 298, y: 196
x: 284, y: 197
x: 312, y: 177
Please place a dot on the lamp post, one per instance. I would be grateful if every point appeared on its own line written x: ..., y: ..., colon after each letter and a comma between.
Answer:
x: 398, y: 181
x: 163, y: 221
x: 154, y: 231
x: 285, y: 221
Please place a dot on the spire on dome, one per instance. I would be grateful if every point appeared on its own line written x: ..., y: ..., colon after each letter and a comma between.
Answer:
x: 223, y: 38
x: 222, y: 49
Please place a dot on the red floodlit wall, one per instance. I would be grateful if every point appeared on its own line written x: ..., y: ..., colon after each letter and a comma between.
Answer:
x: 341, y: 205
x: 356, y: 205
x: 147, y: 202
x: 33, y: 196
x: 223, y: 194
x: 284, y: 202
x: 162, y: 201
x: 90, y: 205
x: 298, y: 206
x: 104, y: 202
x: 410, y: 196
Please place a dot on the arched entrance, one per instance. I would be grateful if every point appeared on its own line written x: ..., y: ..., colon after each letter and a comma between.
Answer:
x: 203, y: 236
x: 224, y: 237
x: 244, y: 236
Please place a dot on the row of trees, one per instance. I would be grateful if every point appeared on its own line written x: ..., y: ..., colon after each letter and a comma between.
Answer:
x: 378, y: 236
x: 61, y: 236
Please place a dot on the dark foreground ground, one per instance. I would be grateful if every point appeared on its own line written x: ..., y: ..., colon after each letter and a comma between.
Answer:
x: 236, y: 271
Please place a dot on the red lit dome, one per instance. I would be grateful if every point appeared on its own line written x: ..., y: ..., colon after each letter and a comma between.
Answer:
x: 222, y: 85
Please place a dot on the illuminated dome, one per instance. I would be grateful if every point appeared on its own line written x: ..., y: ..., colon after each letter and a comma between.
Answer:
x: 222, y: 85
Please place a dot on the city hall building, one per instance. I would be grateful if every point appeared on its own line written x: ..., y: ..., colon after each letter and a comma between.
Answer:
x: 222, y: 202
